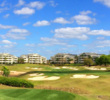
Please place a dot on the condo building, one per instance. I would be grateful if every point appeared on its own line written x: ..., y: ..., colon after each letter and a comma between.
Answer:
x: 62, y: 58
x: 6, y: 58
x: 34, y: 59
x: 80, y: 58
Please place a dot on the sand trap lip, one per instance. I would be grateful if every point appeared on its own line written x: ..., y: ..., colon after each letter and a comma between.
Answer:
x: 93, y: 68
x: 84, y: 76
x: 44, y: 78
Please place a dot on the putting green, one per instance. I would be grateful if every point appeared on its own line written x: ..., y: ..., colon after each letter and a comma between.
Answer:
x: 33, y: 94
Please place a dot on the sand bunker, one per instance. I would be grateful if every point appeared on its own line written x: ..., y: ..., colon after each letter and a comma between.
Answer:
x: 34, y: 68
x: 73, y: 68
x: 27, y: 67
x: 84, y: 76
x: 57, y: 68
x: 44, y: 78
x: 64, y: 67
x: 16, y: 73
x: 36, y: 74
x: 93, y: 68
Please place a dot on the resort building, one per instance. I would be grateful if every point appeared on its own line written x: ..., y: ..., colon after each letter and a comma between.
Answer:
x: 62, y: 58
x: 34, y: 59
x: 6, y: 58
x: 25, y: 57
x: 83, y: 56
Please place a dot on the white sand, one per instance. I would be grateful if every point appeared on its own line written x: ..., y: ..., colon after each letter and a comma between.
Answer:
x: 36, y: 74
x: 27, y: 67
x: 73, y: 68
x: 44, y: 78
x: 64, y: 67
x: 34, y: 68
x: 84, y: 76
x: 93, y: 68
x: 57, y: 68
x: 16, y: 73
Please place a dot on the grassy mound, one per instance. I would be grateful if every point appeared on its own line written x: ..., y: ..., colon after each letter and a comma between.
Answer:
x: 33, y: 94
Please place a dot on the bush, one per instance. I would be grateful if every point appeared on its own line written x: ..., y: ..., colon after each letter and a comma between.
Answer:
x: 16, y: 82
x: 6, y: 71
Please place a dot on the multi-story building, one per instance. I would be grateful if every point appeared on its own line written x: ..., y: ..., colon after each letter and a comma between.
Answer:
x: 80, y: 58
x: 6, y: 58
x: 62, y: 58
x: 34, y: 59
x: 25, y: 57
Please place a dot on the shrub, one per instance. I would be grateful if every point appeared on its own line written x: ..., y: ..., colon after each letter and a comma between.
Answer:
x: 16, y: 82
x: 6, y: 71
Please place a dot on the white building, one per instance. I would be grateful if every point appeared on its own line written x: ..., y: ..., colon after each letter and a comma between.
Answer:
x: 83, y: 56
x: 62, y: 58
x: 34, y: 59
x: 6, y: 58
x: 25, y: 57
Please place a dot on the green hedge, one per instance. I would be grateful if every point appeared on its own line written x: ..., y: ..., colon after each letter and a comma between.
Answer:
x: 12, y: 81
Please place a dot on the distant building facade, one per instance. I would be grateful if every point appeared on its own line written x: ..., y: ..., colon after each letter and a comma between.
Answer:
x: 80, y: 58
x: 34, y: 59
x: 6, y: 58
x: 62, y: 58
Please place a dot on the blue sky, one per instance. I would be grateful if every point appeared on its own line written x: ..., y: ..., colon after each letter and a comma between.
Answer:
x: 48, y: 27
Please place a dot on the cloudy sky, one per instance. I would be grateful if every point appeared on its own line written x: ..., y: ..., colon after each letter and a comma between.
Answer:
x: 48, y: 27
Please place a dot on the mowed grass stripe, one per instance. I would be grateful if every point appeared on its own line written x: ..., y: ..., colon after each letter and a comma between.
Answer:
x: 34, y: 94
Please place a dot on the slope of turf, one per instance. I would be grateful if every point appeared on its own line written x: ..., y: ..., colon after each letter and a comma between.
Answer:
x: 33, y: 94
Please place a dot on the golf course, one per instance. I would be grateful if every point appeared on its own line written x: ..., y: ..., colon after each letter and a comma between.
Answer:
x: 58, y: 82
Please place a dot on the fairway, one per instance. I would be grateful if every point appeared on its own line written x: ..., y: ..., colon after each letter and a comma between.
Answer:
x: 34, y: 94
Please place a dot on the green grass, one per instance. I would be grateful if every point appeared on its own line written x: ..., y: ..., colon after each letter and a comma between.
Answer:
x: 33, y: 94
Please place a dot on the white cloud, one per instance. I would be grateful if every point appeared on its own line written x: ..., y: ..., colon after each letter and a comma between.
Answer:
x: 7, y: 44
x: 100, y: 38
x: 41, y: 23
x: 6, y: 16
x: 83, y: 18
x: 69, y: 32
x: 99, y: 32
x: 30, y: 45
x: 85, y: 12
x: 6, y: 26
x: 58, y: 12
x: 25, y: 11
x: 3, y: 9
x: 16, y: 34
x: 104, y: 43
x: 51, y: 42
x: 20, y: 3
x: 37, y: 4
x: 27, y: 23
x: 61, y: 20
x: 52, y: 3
x: 105, y: 2
x: 3, y: 3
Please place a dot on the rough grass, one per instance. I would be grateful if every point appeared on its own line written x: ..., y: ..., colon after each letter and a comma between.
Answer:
x: 33, y: 94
